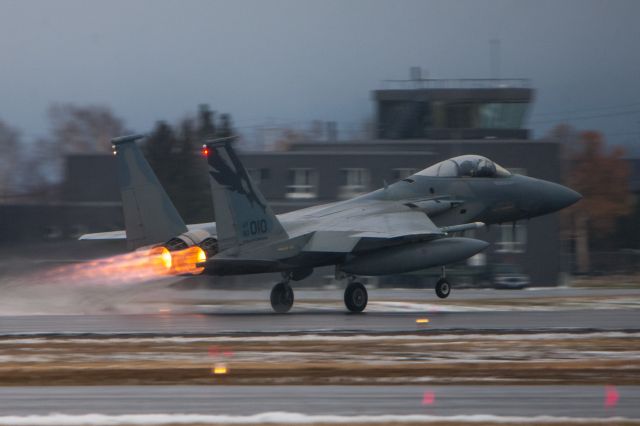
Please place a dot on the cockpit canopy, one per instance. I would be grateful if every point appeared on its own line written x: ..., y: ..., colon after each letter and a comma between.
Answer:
x: 466, y: 166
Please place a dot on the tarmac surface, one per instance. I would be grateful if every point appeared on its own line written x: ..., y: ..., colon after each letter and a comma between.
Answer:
x: 227, y: 311
x: 338, y: 321
x: 328, y: 321
x: 522, y: 401
x: 222, y: 312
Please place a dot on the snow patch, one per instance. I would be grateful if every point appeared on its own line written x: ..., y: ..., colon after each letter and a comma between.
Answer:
x: 58, y: 419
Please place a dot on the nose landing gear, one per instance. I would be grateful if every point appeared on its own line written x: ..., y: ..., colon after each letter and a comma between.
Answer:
x: 443, y: 288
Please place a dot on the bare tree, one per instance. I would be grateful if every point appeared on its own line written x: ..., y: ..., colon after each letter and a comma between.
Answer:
x: 174, y: 152
x: 602, y: 177
x: 39, y: 167
x: 77, y: 129
x: 84, y: 129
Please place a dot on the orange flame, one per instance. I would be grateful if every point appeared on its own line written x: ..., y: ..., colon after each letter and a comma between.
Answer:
x: 138, y: 266
x: 184, y: 261
x: 160, y: 259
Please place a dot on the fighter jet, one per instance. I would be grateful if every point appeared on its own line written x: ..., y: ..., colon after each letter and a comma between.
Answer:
x: 406, y: 226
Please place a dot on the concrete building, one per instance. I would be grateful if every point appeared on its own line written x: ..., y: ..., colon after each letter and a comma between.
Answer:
x: 453, y: 109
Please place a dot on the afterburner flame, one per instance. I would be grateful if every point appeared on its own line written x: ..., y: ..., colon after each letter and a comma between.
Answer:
x: 184, y: 261
x: 160, y: 258
x: 137, y: 266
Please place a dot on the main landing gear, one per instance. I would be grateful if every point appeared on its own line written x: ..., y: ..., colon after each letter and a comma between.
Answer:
x: 282, y: 295
x: 355, y: 297
x: 443, y: 288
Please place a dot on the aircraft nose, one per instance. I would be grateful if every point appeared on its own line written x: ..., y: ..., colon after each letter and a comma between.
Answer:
x: 558, y: 197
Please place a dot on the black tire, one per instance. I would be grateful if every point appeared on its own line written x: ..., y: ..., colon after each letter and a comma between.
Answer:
x: 443, y: 288
x: 356, y: 297
x: 281, y: 298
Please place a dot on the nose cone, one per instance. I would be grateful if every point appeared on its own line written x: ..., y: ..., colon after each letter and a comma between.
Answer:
x: 538, y: 197
x: 557, y: 197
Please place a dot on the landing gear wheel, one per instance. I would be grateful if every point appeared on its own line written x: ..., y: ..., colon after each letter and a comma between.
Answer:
x: 443, y: 288
x: 281, y: 298
x: 355, y: 297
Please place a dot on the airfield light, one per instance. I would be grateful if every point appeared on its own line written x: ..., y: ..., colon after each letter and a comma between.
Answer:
x: 422, y: 321
x: 611, y: 396
x: 220, y: 368
x: 428, y: 398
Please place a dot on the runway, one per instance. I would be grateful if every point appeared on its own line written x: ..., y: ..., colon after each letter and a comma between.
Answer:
x: 251, y: 322
x: 167, y: 311
x: 491, y: 346
x: 522, y: 401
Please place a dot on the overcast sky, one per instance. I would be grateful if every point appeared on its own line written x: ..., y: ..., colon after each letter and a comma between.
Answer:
x: 295, y: 61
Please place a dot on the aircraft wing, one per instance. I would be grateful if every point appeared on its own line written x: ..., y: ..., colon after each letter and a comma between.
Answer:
x: 390, y: 225
x: 400, y: 224
x: 339, y: 229
x: 369, y: 220
x: 122, y: 234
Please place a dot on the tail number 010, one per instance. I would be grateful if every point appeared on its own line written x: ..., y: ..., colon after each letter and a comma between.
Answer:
x: 258, y: 227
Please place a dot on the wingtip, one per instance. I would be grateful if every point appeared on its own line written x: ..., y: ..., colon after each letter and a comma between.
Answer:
x: 220, y: 141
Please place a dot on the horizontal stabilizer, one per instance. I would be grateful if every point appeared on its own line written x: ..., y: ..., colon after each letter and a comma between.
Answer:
x: 112, y: 235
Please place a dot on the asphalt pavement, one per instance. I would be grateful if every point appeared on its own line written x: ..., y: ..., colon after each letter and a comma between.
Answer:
x: 522, y: 401
x: 327, y: 321
x: 210, y: 318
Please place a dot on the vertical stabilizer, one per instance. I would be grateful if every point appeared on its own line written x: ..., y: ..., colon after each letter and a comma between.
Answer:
x: 149, y: 215
x: 242, y: 214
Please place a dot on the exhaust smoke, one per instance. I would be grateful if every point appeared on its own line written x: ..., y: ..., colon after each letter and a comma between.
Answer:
x: 133, y: 282
x: 137, y: 266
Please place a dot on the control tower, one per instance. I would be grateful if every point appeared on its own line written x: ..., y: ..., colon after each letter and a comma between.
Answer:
x: 458, y: 109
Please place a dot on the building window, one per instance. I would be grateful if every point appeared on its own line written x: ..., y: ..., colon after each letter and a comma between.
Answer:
x: 507, y: 115
x: 513, y: 239
x: 354, y: 182
x: 303, y: 184
x: 402, y: 173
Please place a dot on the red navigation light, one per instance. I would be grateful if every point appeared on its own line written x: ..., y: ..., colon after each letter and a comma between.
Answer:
x: 205, y: 151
